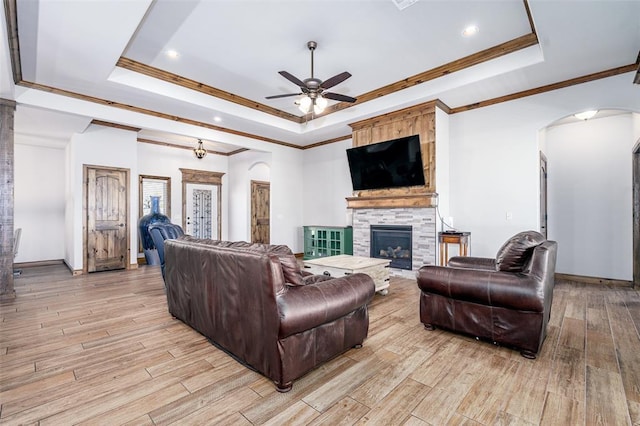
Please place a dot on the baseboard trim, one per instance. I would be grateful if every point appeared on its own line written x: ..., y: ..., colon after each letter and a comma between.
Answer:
x: 75, y: 272
x: 594, y: 280
x: 39, y: 263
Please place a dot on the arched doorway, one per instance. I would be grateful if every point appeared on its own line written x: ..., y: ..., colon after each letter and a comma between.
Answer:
x: 590, y: 196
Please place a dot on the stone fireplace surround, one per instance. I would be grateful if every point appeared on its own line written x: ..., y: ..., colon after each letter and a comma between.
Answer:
x: 422, y: 220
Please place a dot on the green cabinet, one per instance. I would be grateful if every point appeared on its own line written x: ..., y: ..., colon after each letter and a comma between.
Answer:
x: 322, y: 241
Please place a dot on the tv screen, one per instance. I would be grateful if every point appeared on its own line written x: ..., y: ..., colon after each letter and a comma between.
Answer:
x: 389, y: 164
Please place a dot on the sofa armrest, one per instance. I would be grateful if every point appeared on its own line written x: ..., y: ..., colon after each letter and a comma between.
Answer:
x: 491, y: 288
x: 470, y: 262
x: 314, y: 279
x: 305, y: 307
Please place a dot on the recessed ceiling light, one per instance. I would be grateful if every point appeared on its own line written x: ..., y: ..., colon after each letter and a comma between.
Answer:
x: 470, y: 31
x: 217, y: 119
x: 173, y: 54
x: 586, y: 114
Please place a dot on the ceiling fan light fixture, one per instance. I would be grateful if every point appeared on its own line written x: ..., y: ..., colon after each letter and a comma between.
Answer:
x: 319, y: 105
x: 199, y: 150
x: 304, y: 104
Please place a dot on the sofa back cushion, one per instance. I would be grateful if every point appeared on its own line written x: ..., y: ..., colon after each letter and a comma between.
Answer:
x: 515, y: 254
x: 290, y: 267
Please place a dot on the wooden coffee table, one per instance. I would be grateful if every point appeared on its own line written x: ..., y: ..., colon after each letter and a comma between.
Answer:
x: 344, y: 264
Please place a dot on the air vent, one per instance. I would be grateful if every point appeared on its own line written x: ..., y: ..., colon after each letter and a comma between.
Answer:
x: 403, y: 4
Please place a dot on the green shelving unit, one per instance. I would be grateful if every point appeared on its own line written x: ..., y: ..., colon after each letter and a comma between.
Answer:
x: 322, y: 241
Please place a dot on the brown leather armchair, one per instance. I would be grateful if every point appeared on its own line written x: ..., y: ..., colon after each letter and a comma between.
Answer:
x: 506, y: 300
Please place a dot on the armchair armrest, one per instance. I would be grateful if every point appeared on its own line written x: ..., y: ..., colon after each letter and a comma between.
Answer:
x: 470, y: 262
x: 492, y: 288
x: 305, y: 307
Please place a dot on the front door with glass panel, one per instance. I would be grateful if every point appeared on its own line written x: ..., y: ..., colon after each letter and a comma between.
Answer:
x: 202, y: 210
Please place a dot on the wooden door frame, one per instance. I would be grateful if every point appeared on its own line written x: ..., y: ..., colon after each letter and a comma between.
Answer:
x: 543, y: 160
x: 254, y: 184
x: 635, y: 178
x: 85, y: 217
x: 201, y: 177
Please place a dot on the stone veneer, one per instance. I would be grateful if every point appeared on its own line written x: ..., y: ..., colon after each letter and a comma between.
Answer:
x: 422, y: 221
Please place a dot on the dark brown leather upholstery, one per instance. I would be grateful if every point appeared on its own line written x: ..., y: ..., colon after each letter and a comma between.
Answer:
x: 236, y: 295
x: 510, y: 307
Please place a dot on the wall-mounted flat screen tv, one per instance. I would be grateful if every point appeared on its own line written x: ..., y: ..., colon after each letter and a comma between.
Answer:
x: 390, y: 164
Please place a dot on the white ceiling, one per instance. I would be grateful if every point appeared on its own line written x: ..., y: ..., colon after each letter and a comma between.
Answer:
x: 239, y: 47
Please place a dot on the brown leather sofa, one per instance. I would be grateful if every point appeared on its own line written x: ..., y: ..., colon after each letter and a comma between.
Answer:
x: 252, y: 301
x: 506, y: 300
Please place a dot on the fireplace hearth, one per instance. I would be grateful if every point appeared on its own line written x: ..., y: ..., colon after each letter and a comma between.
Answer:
x: 392, y: 242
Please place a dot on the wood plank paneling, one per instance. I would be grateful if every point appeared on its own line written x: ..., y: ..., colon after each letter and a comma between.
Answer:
x: 416, y: 120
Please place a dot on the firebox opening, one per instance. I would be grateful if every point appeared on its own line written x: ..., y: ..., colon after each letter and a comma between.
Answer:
x: 392, y: 242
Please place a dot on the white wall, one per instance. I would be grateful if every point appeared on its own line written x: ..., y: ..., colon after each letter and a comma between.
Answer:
x: 443, y: 178
x: 287, y: 173
x: 327, y: 184
x: 590, y: 197
x: 244, y: 167
x: 100, y: 146
x: 495, y: 157
x: 39, y: 201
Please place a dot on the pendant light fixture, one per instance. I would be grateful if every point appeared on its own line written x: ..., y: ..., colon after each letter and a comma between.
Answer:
x: 199, y: 151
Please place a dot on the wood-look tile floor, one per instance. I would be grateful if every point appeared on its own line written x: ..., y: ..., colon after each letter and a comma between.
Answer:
x: 103, y: 349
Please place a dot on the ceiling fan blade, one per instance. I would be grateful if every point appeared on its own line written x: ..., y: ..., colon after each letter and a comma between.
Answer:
x: 283, y: 96
x: 292, y: 79
x: 338, y: 97
x: 336, y: 79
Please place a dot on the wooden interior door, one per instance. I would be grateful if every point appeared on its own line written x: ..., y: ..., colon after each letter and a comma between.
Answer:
x: 260, y: 195
x: 107, y: 219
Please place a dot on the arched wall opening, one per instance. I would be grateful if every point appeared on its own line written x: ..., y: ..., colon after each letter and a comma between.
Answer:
x: 589, y: 199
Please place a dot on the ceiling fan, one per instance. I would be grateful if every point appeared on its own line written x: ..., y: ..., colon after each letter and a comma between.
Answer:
x: 314, y: 88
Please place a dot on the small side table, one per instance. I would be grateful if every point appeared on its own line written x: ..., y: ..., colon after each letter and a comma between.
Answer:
x: 446, y: 238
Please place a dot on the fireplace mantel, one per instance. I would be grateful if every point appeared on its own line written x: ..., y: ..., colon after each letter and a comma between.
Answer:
x: 392, y: 201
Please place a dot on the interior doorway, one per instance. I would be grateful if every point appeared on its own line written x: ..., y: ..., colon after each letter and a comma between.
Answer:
x: 260, y: 216
x: 636, y: 214
x: 106, y: 241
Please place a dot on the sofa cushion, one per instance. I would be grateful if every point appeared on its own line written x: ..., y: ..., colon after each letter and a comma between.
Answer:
x: 514, y: 255
x: 289, y: 263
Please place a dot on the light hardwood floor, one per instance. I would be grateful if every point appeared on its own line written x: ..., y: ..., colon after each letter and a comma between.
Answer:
x: 103, y: 349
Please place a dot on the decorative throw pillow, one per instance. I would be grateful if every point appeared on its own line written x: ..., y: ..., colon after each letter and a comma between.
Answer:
x: 291, y: 269
x: 514, y: 255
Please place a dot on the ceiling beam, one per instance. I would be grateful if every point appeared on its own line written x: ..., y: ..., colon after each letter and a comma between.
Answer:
x: 441, y: 71
x: 548, y: 88
x: 150, y: 71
